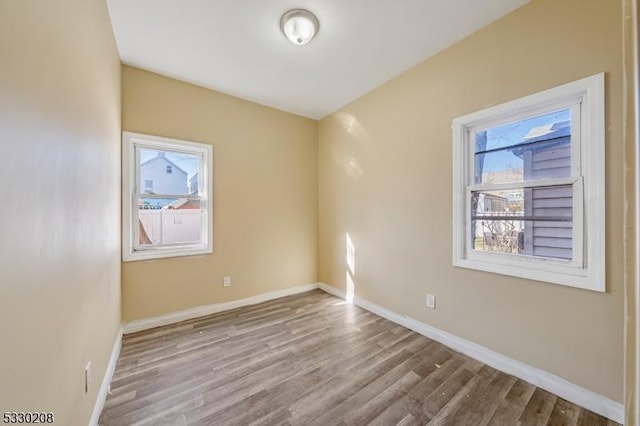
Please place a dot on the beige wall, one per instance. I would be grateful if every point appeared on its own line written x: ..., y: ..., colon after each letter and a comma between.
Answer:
x: 265, y: 196
x: 385, y: 178
x: 59, y: 233
x: 631, y: 343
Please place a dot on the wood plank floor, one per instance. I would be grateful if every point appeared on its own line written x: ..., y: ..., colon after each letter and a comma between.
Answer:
x: 311, y: 359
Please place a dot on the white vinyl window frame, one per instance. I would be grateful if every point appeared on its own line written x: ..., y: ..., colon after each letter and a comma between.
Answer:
x: 131, y: 145
x: 586, y: 270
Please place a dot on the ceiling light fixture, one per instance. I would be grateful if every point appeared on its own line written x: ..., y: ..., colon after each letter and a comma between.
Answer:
x: 299, y: 26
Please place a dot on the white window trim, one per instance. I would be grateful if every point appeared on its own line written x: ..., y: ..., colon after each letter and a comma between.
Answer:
x: 590, y: 272
x: 205, y: 175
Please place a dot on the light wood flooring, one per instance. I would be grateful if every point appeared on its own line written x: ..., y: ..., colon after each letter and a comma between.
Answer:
x: 311, y: 359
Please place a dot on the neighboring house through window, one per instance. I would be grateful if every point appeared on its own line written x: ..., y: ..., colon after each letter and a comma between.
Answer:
x: 193, y: 184
x: 162, y: 215
x: 529, y: 186
x: 154, y: 168
x: 148, y: 186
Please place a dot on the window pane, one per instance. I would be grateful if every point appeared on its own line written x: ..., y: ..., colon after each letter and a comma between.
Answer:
x: 535, y: 148
x: 169, y: 221
x: 166, y: 172
x: 529, y: 221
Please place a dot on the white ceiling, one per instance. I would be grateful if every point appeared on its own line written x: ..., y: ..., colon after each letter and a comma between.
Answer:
x: 236, y: 47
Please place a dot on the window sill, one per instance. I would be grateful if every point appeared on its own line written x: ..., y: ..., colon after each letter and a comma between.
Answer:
x: 570, y: 276
x: 166, y: 253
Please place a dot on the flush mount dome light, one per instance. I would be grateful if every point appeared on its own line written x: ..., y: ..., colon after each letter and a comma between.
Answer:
x: 299, y: 26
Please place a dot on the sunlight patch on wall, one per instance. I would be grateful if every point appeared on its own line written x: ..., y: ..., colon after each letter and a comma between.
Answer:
x: 351, y: 269
x: 347, y: 163
x: 342, y: 154
x: 351, y: 255
x: 351, y: 125
x: 352, y: 168
x: 350, y: 286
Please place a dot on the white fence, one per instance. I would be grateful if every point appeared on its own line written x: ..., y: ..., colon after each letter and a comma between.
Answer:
x: 166, y: 226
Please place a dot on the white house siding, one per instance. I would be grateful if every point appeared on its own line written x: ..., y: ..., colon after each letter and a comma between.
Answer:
x: 155, y: 170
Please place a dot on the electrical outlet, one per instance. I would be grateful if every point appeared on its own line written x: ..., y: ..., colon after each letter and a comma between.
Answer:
x: 226, y: 281
x: 431, y: 301
x: 87, y: 377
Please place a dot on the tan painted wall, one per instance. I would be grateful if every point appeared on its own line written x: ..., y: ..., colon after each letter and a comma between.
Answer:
x: 385, y: 178
x: 631, y: 319
x: 60, y: 178
x: 265, y: 196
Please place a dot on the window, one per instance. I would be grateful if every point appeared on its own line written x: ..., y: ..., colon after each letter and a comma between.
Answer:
x: 148, y: 186
x: 529, y: 187
x: 162, y: 215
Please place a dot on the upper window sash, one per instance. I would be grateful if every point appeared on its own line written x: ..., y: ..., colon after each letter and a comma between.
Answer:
x: 572, y: 103
x: 196, y: 152
x: 521, y: 109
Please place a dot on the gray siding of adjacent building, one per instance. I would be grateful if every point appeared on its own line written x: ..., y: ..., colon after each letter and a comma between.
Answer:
x: 548, y: 239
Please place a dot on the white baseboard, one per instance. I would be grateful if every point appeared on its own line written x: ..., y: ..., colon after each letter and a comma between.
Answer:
x: 200, y: 311
x: 106, y: 380
x: 547, y: 381
x: 333, y: 290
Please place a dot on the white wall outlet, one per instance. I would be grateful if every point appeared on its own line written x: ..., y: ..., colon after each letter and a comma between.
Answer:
x: 431, y: 301
x: 87, y: 377
x: 226, y: 281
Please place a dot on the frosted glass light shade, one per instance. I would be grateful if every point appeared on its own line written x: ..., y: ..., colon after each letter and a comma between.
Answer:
x: 299, y: 26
